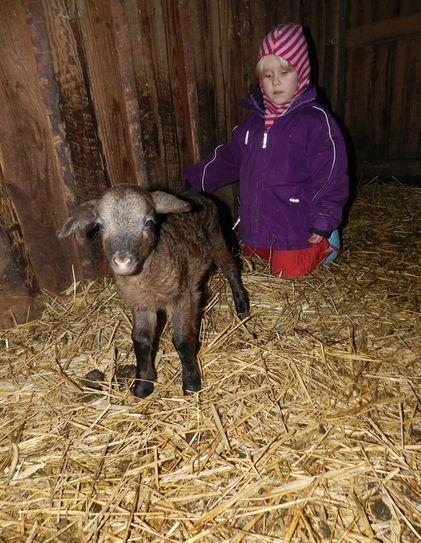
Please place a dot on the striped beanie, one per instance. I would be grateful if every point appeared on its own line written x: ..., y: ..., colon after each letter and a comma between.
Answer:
x: 286, y: 41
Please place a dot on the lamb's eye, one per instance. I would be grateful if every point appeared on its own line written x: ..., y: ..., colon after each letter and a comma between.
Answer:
x: 149, y: 223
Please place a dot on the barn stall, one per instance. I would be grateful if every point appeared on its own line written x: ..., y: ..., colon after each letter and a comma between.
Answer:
x: 308, y: 427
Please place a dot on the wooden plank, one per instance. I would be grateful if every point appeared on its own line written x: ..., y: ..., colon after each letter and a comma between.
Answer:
x: 69, y: 66
x: 128, y: 83
x: 184, y: 99
x: 360, y: 99
x: 387, y: 30
x: 191, y: 124
x: 81, y: 135
x: 95, y: 20
x: 378, y: 120
x: 199, y: 34
x: 65, y: 188
x: 152, y: 140
x: 246, y: 47
x: 404, y: 137
x: 148, y: 36
x: 17, y: 304
x: 12, y: 234
x: 333, y: 67
x: 218, y: 71
x: 34, y: 158
x: 17, y: 308
x: 403, y: 167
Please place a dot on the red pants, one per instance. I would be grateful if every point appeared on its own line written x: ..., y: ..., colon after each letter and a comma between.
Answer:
x: 292, y: 262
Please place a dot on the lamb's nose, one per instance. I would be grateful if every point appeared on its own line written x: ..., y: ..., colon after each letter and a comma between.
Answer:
x: 122, y: 261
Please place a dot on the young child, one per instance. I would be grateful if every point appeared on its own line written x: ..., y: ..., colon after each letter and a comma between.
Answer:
x: 290, y: 159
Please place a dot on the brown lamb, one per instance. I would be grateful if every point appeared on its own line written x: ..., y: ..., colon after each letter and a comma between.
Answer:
x: 160, y: 248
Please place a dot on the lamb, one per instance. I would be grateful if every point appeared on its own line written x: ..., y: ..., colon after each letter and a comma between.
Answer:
x: 160, y: 247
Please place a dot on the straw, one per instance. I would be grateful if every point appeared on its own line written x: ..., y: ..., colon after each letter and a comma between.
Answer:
x: 308, y: 427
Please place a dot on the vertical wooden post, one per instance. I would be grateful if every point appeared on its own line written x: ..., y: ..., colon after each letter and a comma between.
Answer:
x: 112, y: 101
x: 130, y: 99
x: 35, y: 162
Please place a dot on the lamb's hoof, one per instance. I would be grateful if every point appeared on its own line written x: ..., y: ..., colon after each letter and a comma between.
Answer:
x: 242, y: 306
x: 243, y: 315
x: 142, y: 389
x: 194, y: 384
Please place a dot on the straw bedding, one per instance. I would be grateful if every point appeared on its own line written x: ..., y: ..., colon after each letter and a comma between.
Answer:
x: 308, y: 428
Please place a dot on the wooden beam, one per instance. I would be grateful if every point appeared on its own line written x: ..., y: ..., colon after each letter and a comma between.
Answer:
x: 192, y: 108
x: 109, y: 99
x: 34, y: 157
x: 387, y: 30
x: 128, y: 83
x: 69, y: 64
x: 409, y: 167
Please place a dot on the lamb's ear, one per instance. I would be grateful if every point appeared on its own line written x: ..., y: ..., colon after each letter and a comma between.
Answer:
x: 81, y: 217
x: 167, y: 203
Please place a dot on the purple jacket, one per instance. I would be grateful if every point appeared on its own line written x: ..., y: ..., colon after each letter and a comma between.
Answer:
x: 293, y: 177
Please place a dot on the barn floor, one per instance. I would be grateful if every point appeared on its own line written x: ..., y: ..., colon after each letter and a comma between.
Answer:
x: 308, y: 428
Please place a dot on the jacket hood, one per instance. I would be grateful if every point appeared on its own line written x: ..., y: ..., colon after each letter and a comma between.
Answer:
x: 288, y: 42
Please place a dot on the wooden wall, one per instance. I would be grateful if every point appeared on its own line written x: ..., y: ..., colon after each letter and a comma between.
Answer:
x: 383, y: 86
x: 99, y: 92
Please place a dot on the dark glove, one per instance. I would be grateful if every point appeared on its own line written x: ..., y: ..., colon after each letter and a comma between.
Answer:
x: 187, y: 185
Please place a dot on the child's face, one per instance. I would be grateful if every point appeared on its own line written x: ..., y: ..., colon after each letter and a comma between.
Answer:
x: 278, y: 84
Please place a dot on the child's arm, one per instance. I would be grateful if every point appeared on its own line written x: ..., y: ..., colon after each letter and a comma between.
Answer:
x: 219, y: 168
x: 329, y: 170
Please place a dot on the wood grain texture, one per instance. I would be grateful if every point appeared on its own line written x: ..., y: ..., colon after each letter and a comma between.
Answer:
x: 14, y: 249
x: 383, y: 81
x: 102, y: 67
x: 385, y: 30
x: 69, y: 64
x: 33, y: 156
x: 128, y: 84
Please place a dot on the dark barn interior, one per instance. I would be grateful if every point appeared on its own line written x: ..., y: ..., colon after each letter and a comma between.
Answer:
x: 311, y: 431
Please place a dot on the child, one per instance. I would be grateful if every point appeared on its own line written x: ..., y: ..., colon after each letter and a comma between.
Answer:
x: 290, y: 159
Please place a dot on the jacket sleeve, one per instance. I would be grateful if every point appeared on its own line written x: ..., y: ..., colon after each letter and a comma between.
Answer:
x: 219, y: 168
x: 328, y: 165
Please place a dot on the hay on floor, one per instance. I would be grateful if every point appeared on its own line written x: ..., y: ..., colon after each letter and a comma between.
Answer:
x: 308, y: 428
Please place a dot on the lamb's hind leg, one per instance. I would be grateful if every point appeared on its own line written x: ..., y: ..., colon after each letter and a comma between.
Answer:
x: 185, y: 339
x: 143, y: 336
x: 225, y: 260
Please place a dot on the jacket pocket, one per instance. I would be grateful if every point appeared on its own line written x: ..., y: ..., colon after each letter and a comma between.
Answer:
x: 289, y: 206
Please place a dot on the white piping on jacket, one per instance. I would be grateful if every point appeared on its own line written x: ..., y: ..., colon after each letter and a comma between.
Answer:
x: 202, y: 182
x: 246, y: 139
x: 204, y: 169
x: 333, y: 145
x: 265, y: 140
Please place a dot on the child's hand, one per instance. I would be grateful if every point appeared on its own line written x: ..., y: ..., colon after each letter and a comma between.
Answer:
x: 315, y: 238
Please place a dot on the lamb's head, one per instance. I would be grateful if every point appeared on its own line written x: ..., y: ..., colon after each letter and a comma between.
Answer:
x: 127, y: 218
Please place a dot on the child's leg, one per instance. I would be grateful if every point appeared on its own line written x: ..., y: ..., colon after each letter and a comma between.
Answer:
x: 300, y: 262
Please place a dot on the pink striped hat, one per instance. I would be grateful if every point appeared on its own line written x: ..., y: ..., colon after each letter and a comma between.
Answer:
x: 288, y: 41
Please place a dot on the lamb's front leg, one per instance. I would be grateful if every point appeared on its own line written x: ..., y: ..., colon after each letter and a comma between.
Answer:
x: 225, y: 260
x: 143, y: 335
x: 185, y: 339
